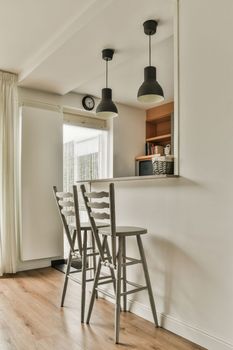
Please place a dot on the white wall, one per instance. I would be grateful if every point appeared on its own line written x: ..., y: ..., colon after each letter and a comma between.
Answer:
x: 128, y: 139
x: 190, y: 222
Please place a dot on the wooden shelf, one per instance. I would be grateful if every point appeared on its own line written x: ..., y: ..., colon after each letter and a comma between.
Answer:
x: 162, y: 119
x: 158, y: 138
x: 150, y: 156
x: 145, y: 157
x: 160, y: 112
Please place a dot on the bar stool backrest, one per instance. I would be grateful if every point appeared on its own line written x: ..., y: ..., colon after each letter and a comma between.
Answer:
x: 67, y: 203
x: 96, y: 204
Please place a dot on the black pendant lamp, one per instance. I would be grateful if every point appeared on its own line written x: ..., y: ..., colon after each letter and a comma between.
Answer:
x: 107, y: 108
x: 150, y: 91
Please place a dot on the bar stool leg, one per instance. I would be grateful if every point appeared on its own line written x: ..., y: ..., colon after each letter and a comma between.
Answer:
x: 67, y: 271
x: 147, y: 278
x: 97, y: 274
x: 84, y: 266
x: 111, y: 269
x: 66, y: 278
x: 94, y: 258
x: 118, y: 291
x: 124, y: 275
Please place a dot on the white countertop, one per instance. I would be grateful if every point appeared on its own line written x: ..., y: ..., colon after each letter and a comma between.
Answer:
x: 131, y: 178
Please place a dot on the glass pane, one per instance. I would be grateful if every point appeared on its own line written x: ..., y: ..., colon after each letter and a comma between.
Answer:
x: 85, y: 157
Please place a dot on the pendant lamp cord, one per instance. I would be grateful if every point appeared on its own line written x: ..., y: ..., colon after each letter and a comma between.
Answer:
x: 149, y: 50
x: 106, y: 73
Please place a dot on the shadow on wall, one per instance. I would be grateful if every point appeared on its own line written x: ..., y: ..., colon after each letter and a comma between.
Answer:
x: 168, y: 278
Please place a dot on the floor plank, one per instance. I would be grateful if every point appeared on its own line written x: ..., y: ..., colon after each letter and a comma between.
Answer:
x: 31, y: 319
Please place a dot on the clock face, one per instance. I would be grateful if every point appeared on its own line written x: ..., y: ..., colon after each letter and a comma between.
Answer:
x: 88, y: 103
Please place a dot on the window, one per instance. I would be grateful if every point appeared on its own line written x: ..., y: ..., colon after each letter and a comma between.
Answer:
x: 85, y: 154
x: 85, y: 157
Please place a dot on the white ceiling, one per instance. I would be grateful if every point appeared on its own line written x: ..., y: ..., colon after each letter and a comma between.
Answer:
x: 55, y: 45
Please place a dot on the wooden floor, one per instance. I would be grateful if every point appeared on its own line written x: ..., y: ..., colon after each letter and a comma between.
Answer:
x: 31, y: 319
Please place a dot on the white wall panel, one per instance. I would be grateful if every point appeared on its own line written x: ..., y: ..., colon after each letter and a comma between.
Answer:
x: 41, y: 233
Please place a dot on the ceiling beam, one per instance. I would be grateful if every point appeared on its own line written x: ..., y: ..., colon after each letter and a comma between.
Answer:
x: 79, y: 21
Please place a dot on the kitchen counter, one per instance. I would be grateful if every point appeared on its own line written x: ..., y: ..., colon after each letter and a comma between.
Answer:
x: 130, y: 178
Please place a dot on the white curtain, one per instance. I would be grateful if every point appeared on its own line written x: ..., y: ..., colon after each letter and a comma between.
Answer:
x: 9, y: 172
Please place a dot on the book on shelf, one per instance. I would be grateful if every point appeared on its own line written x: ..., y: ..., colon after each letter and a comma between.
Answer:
x: 147, y: 149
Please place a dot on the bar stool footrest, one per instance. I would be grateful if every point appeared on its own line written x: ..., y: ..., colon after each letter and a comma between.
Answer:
x: 132, y: 261
x: 133, y: 291
x: 104, y: 276
x: 92, y: 254
x: 80, y: 270
x: 105, y: 292
x: 105, y: 282
x: 90, y: 280
x: 76, y: 271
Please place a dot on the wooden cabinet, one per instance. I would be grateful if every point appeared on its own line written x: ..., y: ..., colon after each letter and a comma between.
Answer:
x: 159, y: 129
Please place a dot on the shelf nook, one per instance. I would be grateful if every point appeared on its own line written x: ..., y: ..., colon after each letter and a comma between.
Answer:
x: 159, y: 133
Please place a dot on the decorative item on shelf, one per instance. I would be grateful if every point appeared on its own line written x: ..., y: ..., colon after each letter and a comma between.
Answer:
x: 158, y: 150
x: 163, y: 165
x: 167, y: 150
x: 88, y: 102
x: 151, y: 148
x: 150, y: 91
x: 107, y: 108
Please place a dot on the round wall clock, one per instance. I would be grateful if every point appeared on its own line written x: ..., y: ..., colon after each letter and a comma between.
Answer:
x: 88, y: 102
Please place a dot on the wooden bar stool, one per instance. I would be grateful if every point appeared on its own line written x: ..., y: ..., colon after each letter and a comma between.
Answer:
x: 119, y: 260
x: 77, y: 235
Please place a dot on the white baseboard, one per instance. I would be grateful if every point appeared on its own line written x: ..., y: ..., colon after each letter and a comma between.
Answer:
x: 178, y: 327
x: 183, y: 329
